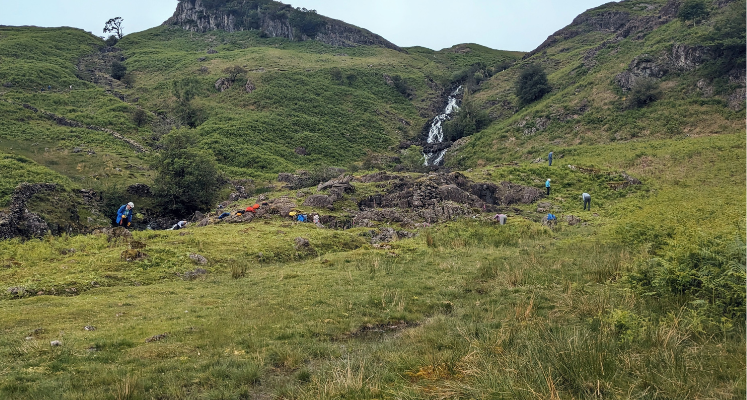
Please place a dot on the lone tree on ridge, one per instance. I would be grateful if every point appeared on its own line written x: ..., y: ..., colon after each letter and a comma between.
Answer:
x: 114, y: 25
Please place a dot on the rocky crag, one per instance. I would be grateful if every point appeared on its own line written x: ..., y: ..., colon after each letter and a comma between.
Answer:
x: 60, y: 212
x: 201, y: 16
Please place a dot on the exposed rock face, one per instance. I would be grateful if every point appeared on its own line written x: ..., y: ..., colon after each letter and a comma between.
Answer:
x: 622, y: 23
x: 194, y: 16
x: 222, y: 84
x: 687, y: 58
x: 19, y: 222
x: 642, y: 66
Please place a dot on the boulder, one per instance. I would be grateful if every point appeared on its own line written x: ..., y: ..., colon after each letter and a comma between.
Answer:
x: 318, y: 201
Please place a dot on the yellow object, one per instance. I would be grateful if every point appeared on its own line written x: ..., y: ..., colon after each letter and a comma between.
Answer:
x: 292, y: 213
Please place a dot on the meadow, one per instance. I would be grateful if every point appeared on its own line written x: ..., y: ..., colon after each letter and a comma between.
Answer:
x: 466, y: 309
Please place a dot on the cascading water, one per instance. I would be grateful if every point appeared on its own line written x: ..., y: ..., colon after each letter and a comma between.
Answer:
x: 436, y: 133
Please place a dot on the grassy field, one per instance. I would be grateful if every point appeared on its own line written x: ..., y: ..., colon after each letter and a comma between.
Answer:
x: 466, y: 309
x: 643, y: 298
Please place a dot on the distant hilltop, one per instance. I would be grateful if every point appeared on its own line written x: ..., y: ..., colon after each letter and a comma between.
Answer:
x: 273, y: 19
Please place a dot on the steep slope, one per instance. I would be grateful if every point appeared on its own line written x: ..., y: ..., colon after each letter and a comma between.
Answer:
x: 273, y: 19
x: 599, y: 64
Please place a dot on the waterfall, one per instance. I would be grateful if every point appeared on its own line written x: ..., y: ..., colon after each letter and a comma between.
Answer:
x: 436, y: 132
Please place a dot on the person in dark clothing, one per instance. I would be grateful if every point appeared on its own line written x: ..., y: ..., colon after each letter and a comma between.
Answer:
x: 549, y: 159
x: 587, y: 200
x: 124, y: 214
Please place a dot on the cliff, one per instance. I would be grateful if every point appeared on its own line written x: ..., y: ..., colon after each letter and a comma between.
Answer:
x: 275, y: 20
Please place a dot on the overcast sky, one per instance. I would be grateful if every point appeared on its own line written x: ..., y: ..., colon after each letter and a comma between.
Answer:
x: 500, y: 24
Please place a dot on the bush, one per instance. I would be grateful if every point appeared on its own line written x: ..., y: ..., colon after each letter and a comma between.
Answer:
x: 111, y: 40
x: 401, y: 85
x: 711, y: 272
x: 693, y: 10
x: 643, y: 92
x: 532, y: 84
x: 140, y: 117
x: 467, y: 121
x: 413, y: 159
x: 186, y: 177
x: 118, y: 70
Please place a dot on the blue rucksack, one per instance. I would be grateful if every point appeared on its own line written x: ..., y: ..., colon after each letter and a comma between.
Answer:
x: 551, y: 217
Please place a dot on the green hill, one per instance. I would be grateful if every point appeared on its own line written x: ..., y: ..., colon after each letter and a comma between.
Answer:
x: 410, y: 289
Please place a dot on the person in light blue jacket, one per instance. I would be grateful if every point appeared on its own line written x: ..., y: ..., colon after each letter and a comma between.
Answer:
x: 124, y: 214
x: 547, y: 186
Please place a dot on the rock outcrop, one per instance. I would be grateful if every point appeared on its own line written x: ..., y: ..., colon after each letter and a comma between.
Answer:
x: 193, y: 15
x: 18, y: 221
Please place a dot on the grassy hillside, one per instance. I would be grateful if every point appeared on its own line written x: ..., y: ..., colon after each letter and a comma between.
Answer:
x: 643, y: 296
x: 696, y: 95
x: 468, y: 309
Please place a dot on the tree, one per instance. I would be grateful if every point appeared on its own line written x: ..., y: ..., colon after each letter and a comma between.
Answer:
x: 114, y: 25
x: 469, y: 119
x: 185, y: 90
x: 118, y: 70
x: 693, y: 10
x: 532, y: 84
x: 644, y: 91
x: 234, y: 72
x: 186, y: 176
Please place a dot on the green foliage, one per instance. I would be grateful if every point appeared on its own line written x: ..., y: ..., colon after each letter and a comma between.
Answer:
x: 15, y: 169
x: 711, y: 271
x: 644, y: 92
x: 140, y: 117
x: 118, y: 70
x: 234, y: 72
x: 693, y: 10
x: 308, y: 22
x: 111, y: 40
x: 413, y: 158
x: 185, y: 90
x: 468, y: 120
x: 402, y: 86
x: 532, y: 84
x: 187, y: 179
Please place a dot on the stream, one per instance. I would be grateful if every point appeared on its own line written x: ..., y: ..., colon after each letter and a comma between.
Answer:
x: 436, y: 132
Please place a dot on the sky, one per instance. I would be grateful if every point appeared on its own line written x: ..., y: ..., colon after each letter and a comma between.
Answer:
x: 519, y: 25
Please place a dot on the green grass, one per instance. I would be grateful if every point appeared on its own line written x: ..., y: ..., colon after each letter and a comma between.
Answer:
x: 644, y: 298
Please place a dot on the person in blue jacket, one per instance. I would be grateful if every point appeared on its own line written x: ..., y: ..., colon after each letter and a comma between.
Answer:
x: 124, y: 214
x: 547, y: 186
x: 549, y: 159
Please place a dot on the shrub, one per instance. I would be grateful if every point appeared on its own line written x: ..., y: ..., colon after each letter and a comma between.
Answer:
x: 401, y: 85
x: 128, y: 79
x: 711, y: 272
x: 111, y: 40
x: 532, y: 84
x: 693, y: 10
x: 186, y: 177
x: 234, y: 72
x: 140, y: 117
x: 118, y: 70
x: 413, y: 159
x: 643, y: 92
x: 467, y: 121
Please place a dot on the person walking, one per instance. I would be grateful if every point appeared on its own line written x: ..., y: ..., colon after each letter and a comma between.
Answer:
x: 549, y: 159
x: 587, y: 200
x: 547, y: 186
x: 124, y: 214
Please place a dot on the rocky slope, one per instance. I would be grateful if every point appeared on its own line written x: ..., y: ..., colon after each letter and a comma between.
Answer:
x: 195, y: 16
